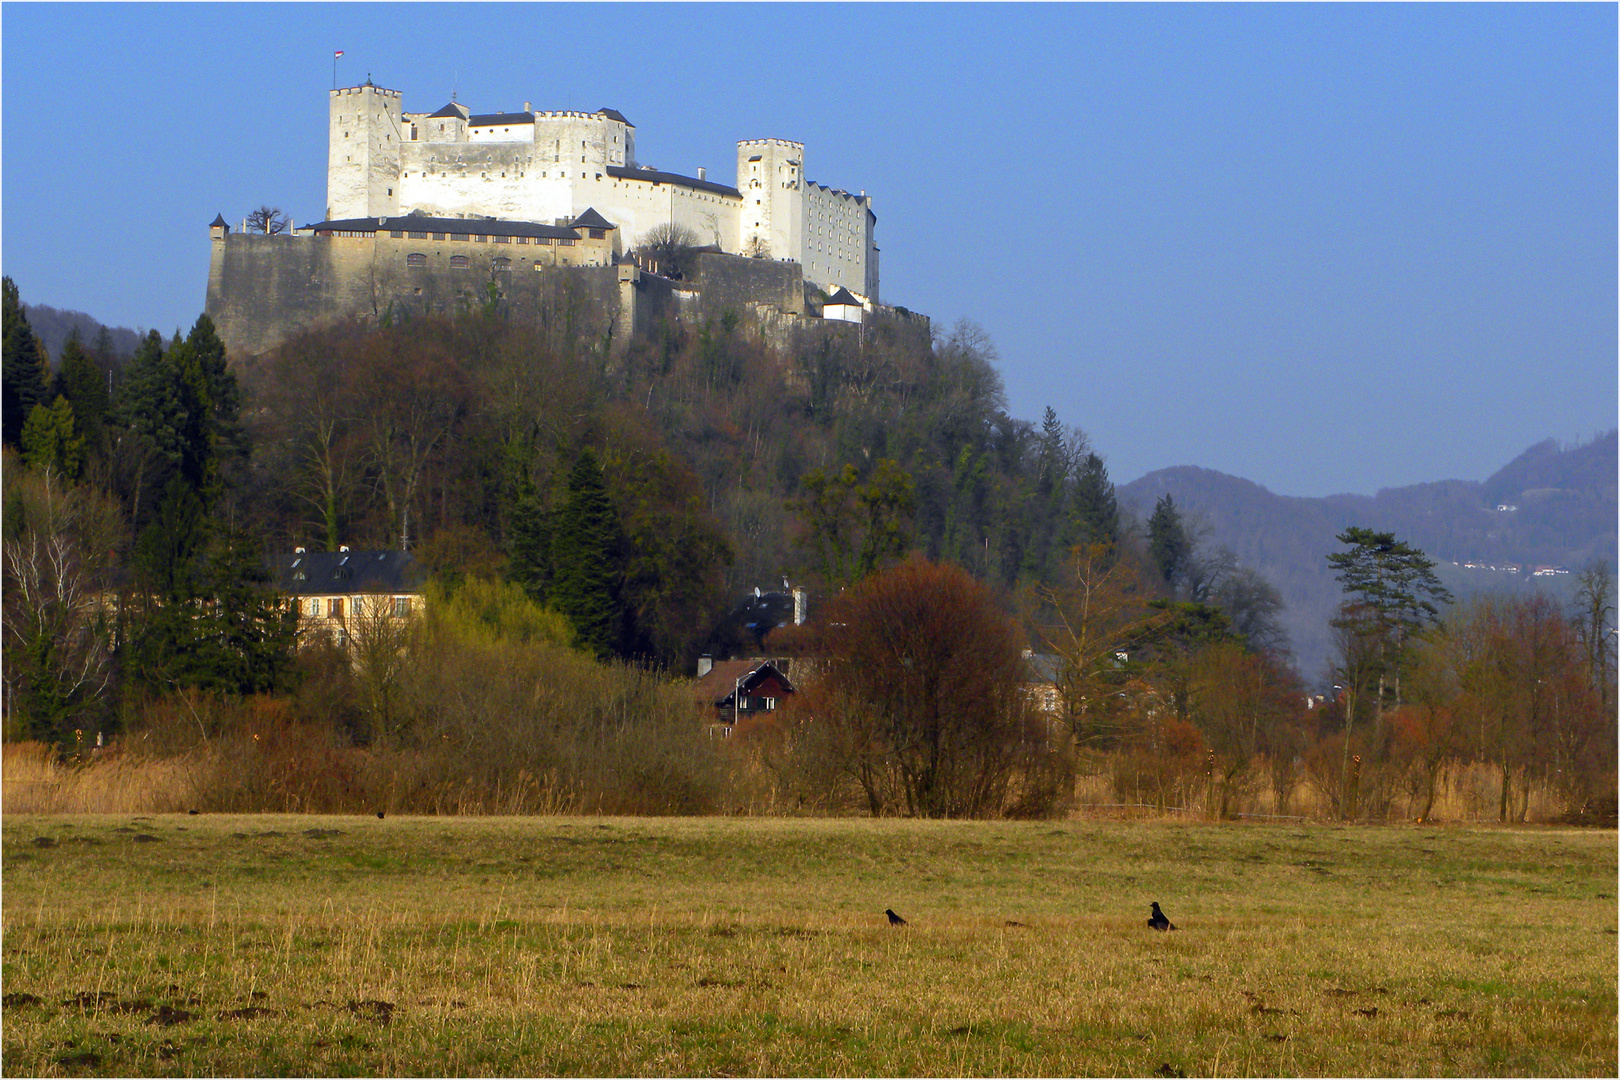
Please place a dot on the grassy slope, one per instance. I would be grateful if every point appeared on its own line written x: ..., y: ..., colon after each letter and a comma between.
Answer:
x: 715, y: 946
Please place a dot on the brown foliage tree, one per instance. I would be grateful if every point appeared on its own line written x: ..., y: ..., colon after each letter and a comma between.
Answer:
x: 922, y: 702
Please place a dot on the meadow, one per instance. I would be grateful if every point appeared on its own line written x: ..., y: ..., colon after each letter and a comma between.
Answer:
x: 270, y: 944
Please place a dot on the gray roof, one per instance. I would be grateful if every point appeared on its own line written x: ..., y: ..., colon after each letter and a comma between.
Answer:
x: 842, y: 296
x: 615, y: 114
x: 653, y: 176
x: 452, y: 109
x: 494, y: 119
x: 218, y: 222
x: 590, y: 219
x: 453, y: 226
x: 352, y: 572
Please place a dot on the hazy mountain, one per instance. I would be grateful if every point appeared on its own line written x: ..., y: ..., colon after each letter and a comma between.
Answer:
x: 1550, y: 508
x: 53, y: 326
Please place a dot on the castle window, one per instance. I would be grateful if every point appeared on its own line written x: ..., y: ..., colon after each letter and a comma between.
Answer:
x: 537, y: 264
x: 478, y: 238
x: 503, y: 264
x: 438, y: 236
x: 397, y: 234
x: 501, y: 239
x: 415, y: 258
x: 598, y: 234
x: 565, y: 241
x: 523, y: 239
x: 418, y: 236
x: 458, y: 262
x: 458, y: 236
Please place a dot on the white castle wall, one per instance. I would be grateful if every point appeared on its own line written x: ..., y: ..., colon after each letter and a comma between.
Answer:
x: 552, y: 166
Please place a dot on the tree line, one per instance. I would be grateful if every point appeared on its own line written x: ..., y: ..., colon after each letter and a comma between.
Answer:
x: 625, y: 497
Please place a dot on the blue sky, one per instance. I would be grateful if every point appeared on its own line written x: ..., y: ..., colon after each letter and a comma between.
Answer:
x: 1324, y: 248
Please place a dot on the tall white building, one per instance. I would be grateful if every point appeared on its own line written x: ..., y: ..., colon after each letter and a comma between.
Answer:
x: 550, y: 167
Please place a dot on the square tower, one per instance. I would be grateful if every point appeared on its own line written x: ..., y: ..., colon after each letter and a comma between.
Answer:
x: 362, y: 158
x: 770, y: 178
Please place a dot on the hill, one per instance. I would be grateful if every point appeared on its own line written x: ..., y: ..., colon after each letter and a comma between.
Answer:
x: 1550, y: 509
x: 53, y: 327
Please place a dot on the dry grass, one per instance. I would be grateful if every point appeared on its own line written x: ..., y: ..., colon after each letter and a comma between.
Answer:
x: 34, y: 781
x: 272, y: 945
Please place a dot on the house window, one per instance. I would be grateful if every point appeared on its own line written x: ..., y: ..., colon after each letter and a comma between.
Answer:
x: 501, y: 239
x: 598, y: 234
x: 416, y: 258
x: 458, y: 236
x: 312, y: 607
x: 438, y: 236
x: 523, y: 239
x: 418, y: 236
x: 402, y: 606
x: 336, y: 607
x: 458, y: 262
x: 397, y: 234
x: 565, y: 241
x: 478, y: 238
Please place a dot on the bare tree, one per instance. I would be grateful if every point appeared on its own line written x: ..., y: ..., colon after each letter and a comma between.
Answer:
x: 269, y: 220
x: 669, y: 248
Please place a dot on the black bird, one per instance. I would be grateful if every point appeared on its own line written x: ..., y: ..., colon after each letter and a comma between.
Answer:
x: 894, y: 920
x: 1158, y: 920
x: 379, y: 815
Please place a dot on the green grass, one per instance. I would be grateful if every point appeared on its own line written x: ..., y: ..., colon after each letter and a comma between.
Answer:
x: 353, y: 946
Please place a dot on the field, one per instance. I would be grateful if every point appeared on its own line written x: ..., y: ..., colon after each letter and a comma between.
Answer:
x: 188, y: 944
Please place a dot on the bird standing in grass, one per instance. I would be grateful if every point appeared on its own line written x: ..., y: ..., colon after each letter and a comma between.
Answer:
x: 1158, y: 920
x: 894, y: 920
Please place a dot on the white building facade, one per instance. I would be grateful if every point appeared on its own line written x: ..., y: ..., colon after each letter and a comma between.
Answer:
x: 550, y: 167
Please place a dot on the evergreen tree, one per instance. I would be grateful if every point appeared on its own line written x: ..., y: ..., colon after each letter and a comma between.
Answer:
x: 24, y: 368
x: 50, y: 440
x: 1096, y: 513
x: 1168, y: 542
x: 83, y: 381
x: 586, y: 554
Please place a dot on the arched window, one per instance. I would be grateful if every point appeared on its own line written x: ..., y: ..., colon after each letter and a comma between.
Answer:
x: 458, y: 262
x: 503, y: 264
x: 416, y: 258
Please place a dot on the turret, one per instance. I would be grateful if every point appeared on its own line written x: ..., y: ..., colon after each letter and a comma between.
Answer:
x: 770, y: 178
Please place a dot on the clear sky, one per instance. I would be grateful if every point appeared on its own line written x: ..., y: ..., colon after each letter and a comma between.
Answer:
x: 1324, y: 248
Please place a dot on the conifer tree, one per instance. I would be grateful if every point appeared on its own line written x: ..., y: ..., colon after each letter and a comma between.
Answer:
x: 50, y: 440
x: 1096, y: 513
x: 586, y: 553
x: 1168, y: 542
x: 24, y: 368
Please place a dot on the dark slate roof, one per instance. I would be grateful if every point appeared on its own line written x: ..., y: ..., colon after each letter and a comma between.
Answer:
x: 351, y: 572
x: 842, y: 296
x: 453, y: 226
x: 219, y: 222
x: 495, y: 119
x: 590, y: 219
x: 653, y: 176
x: 452, y: 109
x: 615, y: 114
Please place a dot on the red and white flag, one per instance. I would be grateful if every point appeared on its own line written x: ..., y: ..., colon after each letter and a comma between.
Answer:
x: 337, y: 54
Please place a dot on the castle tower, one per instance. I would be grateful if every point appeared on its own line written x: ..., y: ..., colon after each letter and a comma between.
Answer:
x: 362, y: 160
x: 770, y: 177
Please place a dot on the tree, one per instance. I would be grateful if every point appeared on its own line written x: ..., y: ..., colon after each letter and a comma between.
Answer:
x: 924, y: 674
x: 852, y: 527
x: 1168, y: 542
x: 50, y: 440
x: 25, y: 373
x: 1095, y: 511
x: 1594, y: 624
x: 670, y: 248
x: 1393, y: 595
x: 268, y: 220
x: 56, y: 656
x: 587, y: 550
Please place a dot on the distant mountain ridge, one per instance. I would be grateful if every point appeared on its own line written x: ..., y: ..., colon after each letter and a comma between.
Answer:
x: 1550, y: 508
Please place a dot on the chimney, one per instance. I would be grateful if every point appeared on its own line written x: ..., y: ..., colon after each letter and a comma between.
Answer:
x: 705, y: 665
x: 703, y: 174
x: 801, y: 602
x: 527, y: 107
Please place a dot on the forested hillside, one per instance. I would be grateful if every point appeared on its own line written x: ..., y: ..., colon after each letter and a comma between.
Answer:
x: 1550, y: 507
x: 591, y: 513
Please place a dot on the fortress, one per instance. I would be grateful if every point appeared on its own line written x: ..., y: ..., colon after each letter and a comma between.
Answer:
x: 439, y: 210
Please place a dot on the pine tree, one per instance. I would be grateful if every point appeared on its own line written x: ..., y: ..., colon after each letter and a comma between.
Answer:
x: 1168, y: 542
x: 50, y: 440
x: 24, y: 369
x: 1096, y: 513
x: 586, y: 554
